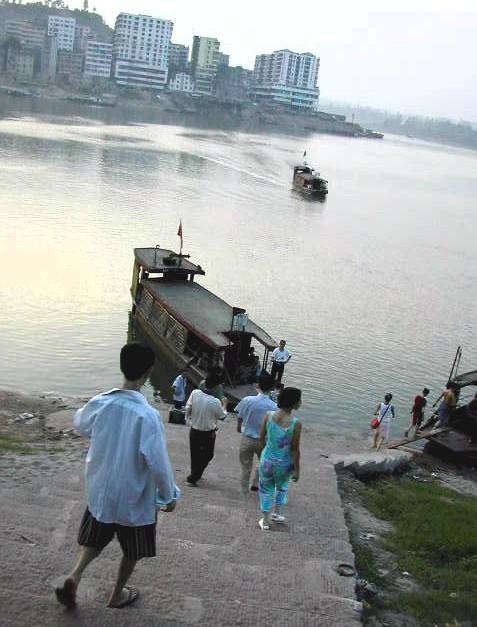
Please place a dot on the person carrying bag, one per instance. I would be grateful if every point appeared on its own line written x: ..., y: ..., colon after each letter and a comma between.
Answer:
x: 382, y: 424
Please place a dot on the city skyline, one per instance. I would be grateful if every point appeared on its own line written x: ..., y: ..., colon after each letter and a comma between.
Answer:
x: 418, y: 59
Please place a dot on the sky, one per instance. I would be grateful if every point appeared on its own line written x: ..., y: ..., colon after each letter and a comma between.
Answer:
x: 414, y: 56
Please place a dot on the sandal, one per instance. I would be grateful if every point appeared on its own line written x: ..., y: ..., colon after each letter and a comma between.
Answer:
x: 133, y: 594
x: 263, y: 526
x: 67, y: 594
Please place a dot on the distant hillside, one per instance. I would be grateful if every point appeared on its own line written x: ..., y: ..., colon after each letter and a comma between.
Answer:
x: 38, y: 13
x: 432, y: 129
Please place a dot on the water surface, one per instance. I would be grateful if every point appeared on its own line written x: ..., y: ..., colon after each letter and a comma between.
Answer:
x: 373, y: 289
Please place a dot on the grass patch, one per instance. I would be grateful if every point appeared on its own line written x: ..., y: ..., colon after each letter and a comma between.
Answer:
x: 433, y: 538
x: 9, y: 444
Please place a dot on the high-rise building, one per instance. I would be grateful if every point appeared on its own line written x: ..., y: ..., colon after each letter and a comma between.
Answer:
x: 98, y: 59
x: 141, y: 46
x: 34, y: 38
x: 27, y: 33
x: 287, y: 77
x: 63, y: 28
x: 204, y: 63
x: 178, y: 57
x: 82, y: 35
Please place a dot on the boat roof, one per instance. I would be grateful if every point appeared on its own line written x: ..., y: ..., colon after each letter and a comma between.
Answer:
x: 202, y: 312
x: 152, y: 260
x: 465, y: 379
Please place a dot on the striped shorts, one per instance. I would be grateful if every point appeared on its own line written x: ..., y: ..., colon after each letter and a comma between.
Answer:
x: 136, y: 542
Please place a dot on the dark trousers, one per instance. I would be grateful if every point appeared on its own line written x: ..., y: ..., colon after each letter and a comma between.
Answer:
x: 277, y: 371
x: 202, y: 445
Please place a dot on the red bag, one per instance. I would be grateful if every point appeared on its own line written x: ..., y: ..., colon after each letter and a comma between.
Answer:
x: 374, y: 423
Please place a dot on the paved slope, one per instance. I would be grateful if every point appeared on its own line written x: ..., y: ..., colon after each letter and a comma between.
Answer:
x: 214, y: 565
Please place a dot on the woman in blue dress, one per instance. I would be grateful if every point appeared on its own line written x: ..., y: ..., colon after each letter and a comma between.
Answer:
x: 280, y: 458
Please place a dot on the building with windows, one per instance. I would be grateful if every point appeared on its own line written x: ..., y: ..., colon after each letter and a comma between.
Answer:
x: 141, y: 44
x: 82, y: 35
x: 204, y: 63
x: 233, y: 83
x: 70, y: 65
x: 20, y: 62
x: 182, y: 82
x: 287, y: 77
x: 178, y: 57
x: 63, y: 28
x: 98, y: 59
x: 27, y: 33
x: 139, y: 74
x: 35, y: 42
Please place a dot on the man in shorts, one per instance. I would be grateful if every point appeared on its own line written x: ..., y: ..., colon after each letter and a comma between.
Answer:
x: 127, y: 472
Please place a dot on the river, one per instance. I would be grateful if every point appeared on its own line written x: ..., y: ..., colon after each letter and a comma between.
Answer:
x: 373, y: 289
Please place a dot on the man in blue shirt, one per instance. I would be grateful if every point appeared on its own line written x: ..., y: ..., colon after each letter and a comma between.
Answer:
x: 127, y: 473
x: 251, y: 411
x: 179, y: 390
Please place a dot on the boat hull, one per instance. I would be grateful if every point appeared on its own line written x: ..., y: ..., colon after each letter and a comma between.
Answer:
x: 309, y: 192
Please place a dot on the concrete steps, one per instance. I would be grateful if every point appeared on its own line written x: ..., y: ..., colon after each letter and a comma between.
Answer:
x: 214, y: 565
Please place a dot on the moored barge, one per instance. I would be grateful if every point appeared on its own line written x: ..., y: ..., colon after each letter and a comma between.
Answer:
x: 193, y: 327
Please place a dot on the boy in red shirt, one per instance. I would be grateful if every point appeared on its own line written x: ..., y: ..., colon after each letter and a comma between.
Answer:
x: 417, y: 412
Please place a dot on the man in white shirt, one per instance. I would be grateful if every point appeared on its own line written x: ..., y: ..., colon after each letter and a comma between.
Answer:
x: 251, y: 411
x: 179, y: 390
x: 280, y: 357
x: 127, y: 472
x: 203, y: 410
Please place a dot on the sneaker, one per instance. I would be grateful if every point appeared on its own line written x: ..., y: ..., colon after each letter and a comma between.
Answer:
x: 254, y: 488
x: 278, y: 518
x: 190, y: 482
x: 262, y: 525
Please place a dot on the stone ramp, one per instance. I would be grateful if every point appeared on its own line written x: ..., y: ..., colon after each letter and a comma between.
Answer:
x: 214, y: 565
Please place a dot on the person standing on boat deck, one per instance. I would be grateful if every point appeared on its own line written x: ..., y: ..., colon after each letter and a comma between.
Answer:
x: 203, y: 409
x: 384, y: 412
x: 128, y: 473
x: 251, y: 410
x: 280, y: 459
x: 280, y: 357
x: 179, y: 390
x: 447, y: 406
x: 417, y: 412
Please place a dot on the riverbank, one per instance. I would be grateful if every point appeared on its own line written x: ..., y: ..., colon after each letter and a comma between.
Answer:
x: 414, y: 544
x: 180, y: 107
x: 214, y: 565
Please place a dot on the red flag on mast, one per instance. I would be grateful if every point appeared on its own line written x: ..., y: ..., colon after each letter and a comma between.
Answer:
x: 179, y: 232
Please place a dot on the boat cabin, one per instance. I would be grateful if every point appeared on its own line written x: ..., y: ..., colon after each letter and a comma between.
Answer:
x: 308, y: 180
x: 197, y: 329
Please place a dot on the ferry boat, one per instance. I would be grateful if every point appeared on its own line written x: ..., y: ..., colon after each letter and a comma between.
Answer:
x: 308, y: 181
x: 459, y: 441
x: 195, y: 329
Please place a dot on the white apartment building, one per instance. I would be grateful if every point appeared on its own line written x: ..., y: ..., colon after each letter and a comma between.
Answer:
x: 287, y: 77
x: 182, y: 82
x: 63, y: 28
x: 98, y: 59
x: 144, y: 42
x: 139, y: 74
